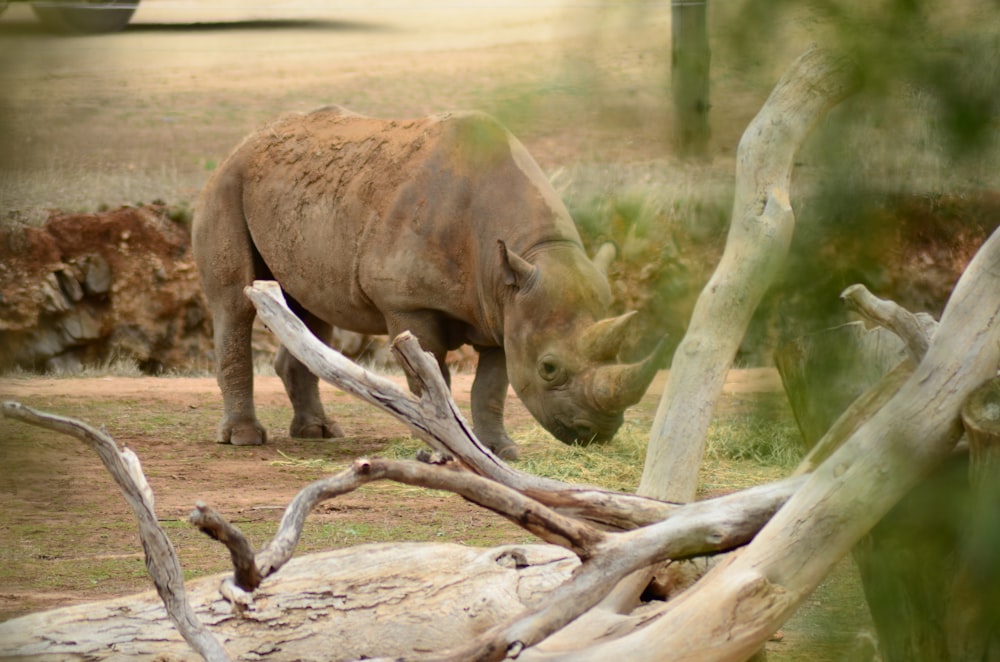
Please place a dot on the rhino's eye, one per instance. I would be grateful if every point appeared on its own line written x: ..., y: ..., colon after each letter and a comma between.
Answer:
x: 550, y: 369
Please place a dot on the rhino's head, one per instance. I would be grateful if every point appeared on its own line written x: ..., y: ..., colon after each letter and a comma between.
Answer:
x: 561, y: 349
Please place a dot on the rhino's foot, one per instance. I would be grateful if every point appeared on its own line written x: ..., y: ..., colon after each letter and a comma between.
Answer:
x: 243, y: 434
x: 505, y: 449
x: 508, y: 453
x: 325, y: 429
x: 499, y: 442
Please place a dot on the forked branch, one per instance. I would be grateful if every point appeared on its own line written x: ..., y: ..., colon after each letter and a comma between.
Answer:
x: 915, y: 330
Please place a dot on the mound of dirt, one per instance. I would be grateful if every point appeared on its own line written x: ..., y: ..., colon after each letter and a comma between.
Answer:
x: 89, y: 288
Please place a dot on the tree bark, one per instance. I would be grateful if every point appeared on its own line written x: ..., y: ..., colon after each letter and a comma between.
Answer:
x: 759, y: 237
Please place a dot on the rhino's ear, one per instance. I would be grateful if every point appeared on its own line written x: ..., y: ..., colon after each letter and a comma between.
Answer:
x: 516, y: 270
x: 604, y: 256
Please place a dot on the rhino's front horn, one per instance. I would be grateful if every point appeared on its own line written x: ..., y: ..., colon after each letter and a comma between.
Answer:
x: 602, y: 340
x: 615, y: 387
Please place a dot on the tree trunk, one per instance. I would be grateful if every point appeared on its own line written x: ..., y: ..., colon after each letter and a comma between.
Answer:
x: 928, y: 567
x: 759, y: 236
x: 739, y: 603
x: 689, y: 68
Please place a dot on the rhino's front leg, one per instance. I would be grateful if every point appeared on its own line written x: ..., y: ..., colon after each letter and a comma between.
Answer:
x: 489, y: 393
x: 302, y: 386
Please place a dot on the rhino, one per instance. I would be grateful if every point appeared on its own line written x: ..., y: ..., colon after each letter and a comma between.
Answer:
x: 443, y: 226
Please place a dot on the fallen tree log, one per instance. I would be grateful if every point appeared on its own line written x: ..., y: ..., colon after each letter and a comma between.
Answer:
x: 371, y: 600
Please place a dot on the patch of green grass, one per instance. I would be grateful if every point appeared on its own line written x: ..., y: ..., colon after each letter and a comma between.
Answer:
x: 741, y: 451
x: 181, y: 214
x: 615, y: 465
x: 770, y: 443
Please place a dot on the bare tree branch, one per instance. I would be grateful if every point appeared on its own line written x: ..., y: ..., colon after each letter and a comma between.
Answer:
x: 161, y: 560
x: 704, y: 527
x: 744, y: 599
x: 436, y: 419
x: 914, y: 330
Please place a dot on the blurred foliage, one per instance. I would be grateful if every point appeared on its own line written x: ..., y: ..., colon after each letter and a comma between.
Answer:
x: 661, y: 263
x: 888, y: 190
x: 946, y: 50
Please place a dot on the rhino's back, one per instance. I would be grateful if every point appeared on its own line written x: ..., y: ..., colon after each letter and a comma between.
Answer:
x: 357, y: 216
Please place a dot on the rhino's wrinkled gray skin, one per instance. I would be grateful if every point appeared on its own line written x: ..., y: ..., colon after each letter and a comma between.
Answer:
x: 442, y: 226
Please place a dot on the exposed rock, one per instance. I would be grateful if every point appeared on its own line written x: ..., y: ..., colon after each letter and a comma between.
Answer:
x: 89, y: 288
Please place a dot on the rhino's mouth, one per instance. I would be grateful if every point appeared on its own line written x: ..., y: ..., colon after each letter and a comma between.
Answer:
x: 584, y: 431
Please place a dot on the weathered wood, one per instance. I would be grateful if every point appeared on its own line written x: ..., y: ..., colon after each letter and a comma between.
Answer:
x: 698, y: 528
x: 370, y: 600
x: 759, y: 236
x: 718, y: 522
x: 914, y: 330
x: 981, y: 417
x: 436, y: 419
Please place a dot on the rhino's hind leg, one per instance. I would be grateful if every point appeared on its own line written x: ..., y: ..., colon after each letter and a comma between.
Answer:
x: 489, y: 393
x: 309, y: 420
x: 233, y: 322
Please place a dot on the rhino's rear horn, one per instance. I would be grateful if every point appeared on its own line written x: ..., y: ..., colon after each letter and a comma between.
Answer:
x: 602, y: 340
x: 616, y: 387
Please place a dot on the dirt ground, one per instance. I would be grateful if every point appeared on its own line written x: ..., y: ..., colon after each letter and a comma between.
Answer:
x: 170, y: 422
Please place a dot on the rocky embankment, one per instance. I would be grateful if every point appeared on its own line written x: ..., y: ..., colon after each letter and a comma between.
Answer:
x: 91, y: 288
